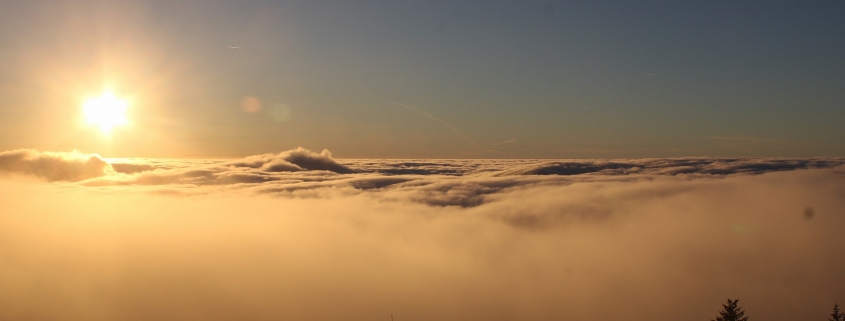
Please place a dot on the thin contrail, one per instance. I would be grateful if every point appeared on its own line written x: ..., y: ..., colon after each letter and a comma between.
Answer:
x: 445, y: 123
x: 230, y: 47
x: 512, y: 140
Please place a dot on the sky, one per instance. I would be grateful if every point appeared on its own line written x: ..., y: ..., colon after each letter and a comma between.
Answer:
x: 423, y: 160
x: 428, y: 79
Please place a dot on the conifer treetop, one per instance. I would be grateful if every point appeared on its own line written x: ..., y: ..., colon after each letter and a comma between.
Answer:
x: 836, y: 315
x: 733, y: 312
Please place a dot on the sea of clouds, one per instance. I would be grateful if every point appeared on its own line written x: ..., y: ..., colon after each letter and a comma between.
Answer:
x: 300, y: 235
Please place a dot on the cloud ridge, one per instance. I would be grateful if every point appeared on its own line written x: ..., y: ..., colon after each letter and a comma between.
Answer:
x: 54, y: 166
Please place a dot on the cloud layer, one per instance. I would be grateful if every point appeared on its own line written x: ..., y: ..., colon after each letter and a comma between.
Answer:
x: 257, y: 238
x: 72, y: 166
x: 76, y: 166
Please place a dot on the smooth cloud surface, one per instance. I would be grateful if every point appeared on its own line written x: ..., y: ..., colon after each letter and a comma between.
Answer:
x: 302, y: 236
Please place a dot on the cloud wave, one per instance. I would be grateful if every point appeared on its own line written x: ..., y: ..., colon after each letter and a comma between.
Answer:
x: 295, y: 160
x: 54, y: 166
x: 442, y: 183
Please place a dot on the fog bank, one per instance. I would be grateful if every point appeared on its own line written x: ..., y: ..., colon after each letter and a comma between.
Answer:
x: 635, y: 247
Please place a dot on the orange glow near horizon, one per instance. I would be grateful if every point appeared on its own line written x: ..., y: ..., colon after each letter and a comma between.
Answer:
x: 106, y: 111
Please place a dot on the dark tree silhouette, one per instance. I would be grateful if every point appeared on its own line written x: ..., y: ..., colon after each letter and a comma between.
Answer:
x: 837, y: 315
x: 732, y: 312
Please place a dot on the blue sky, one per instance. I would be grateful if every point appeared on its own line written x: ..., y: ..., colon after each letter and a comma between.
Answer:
x: 430, y: 79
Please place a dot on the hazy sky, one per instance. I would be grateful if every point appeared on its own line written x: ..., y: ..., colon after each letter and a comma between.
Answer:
x: 442, y: 79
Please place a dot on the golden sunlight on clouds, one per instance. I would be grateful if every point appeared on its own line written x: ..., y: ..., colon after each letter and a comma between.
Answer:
x: 656, y: 248
x: 105, y: 111
x: 300, y: 235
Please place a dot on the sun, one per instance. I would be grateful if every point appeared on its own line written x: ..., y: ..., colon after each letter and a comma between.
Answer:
x: 105, y: 111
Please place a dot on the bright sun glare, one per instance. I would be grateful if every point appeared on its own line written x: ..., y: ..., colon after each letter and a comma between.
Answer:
x: 105, y: 111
